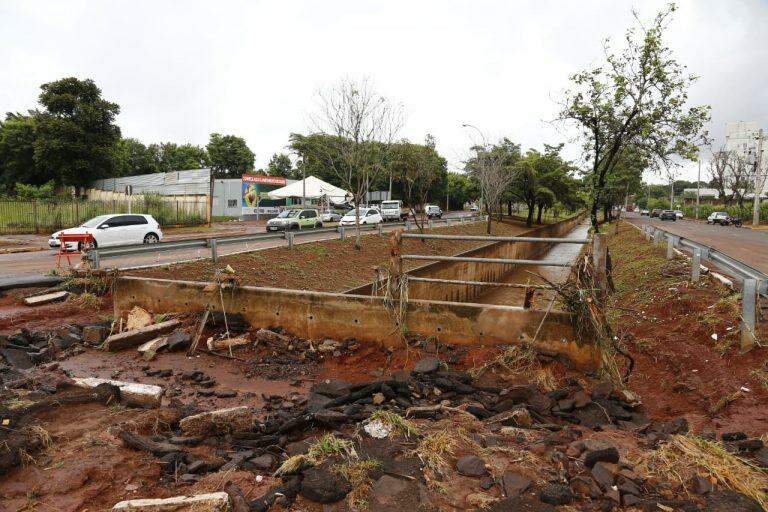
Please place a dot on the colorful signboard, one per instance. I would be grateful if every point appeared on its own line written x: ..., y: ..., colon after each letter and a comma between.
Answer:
x: 256, y: 188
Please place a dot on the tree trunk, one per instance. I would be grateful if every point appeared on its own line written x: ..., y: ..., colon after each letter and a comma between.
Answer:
x: 529, y: 219
x: 538, y: 215
x: 358, y: 241
x: 593, y: 215
x: 509, y: 208
x: 488, y: 223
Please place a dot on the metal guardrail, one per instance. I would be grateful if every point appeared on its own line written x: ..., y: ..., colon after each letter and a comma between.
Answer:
x: 486, y: 260
x: 480, y: 238
x: 754, y: 282
x: 96, y: 256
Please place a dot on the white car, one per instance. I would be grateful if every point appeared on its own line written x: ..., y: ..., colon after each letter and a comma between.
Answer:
x: 110, y: 230
x: 679, y: 214
x: 367, y: 216
x: 330, y: 216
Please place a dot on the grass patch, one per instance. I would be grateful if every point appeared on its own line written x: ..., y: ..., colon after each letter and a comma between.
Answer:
x: 358, y: 473
x: 685, y: 456
x: 88, y: 300
x: 327, y: 446
x: 399, y: 424
x: 434, y: 451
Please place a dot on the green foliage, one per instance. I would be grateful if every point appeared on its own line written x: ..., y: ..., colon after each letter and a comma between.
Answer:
x: 132, y: 158
x: 734, y: 211
x: 29, y: 192
x: 280, y: 165
x: 229, y: 156
x: 461, y: 190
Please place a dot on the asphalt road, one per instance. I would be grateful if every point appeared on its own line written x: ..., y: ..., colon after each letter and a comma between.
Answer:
x: 37, y: 263
x: 746, y: 245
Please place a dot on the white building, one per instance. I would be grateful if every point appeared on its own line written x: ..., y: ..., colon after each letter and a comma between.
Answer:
x: 741, y: 138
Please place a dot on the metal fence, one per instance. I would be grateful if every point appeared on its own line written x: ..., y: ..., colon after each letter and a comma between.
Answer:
x: 18, y: 217
x: 97, y: 256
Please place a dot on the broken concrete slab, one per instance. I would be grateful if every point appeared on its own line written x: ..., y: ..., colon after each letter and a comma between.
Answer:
x: 227, y: 343
x: 131, y: 393
x: 94, y: 334
x: 39, y: 300
x: 213, y: 502
x: 221, y: 421
x: 150, y: 349
x: 134, y: 338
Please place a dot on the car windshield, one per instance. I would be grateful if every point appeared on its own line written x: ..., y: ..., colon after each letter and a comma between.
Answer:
x: 95, y: 221
x: 287, y: 214
x: 351, y: 213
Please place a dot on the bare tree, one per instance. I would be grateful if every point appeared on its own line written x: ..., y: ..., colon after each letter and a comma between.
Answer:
x: 358, y: 127
x: 732, y: 175
x: 489, y: 167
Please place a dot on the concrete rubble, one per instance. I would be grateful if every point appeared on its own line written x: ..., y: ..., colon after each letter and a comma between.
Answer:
x: 213, y: 502
x: 131, y: 393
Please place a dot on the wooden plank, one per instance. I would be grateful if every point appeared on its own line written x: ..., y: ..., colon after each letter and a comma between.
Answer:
x: 135, y: 337
x: 39, y: 300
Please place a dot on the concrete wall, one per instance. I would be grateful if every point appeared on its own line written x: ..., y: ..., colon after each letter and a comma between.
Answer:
x: 318, y: 315
x: 466, y: 271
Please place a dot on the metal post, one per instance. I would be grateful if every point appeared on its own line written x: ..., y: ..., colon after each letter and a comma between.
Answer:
x: 379, y: 227
x: 749, y: 302
x: 214, y: 253
x: 342, y: 234
x: 670, y: 247
x: 698, y: 189
x: 696, y: 265
x: 429, y: 223
x: 758, y: 181
x: 461, y: 220
x: 599, y: 261
x: 289, y: 237
x: 408, y: 225
x: 93, y: 256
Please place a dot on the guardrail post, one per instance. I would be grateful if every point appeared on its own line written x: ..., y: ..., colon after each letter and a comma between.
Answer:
x: 599, y: 261
x: 408, y: 225
x: 670, y: 247
x: 379, y: 226
x: 289, y: 237
x: 93, y: 256
x: 429, y: 224
x: 214, y: 252
x: 748, y: 316
x: 461, y: 220
x: 342, y: 233
x: 696, y: 265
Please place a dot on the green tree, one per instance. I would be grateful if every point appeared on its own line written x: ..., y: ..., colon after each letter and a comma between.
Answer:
x: 461, y: 190
x: 169, y: 156
x: 421, y: 172
x: 132, y: 158
x: 76, y: 132
x: 636, y: 98
x: 280, y: 165
x: 229, y: 156
x: 17, y: 152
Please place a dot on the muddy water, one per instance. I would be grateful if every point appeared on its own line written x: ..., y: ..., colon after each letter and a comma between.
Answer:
x: 560, y: 252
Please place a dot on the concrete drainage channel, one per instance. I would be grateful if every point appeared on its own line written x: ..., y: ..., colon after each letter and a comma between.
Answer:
x: 317, y: 315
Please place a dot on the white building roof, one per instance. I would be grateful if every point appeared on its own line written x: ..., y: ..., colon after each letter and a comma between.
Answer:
x: 315, y: 189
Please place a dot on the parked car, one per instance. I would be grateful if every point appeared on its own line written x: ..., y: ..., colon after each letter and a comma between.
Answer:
x: 474, y: 208
x: 295, y: 219
x: 367, y: 216
x: 644, y: 212
x: 330, y: 216
x: 433, y: 211
x: 393, y: 210
x: 111, y: 230
x: 721, y: 218
x: 679, y: 214
x: 668, y: 215
x: 656, y: 212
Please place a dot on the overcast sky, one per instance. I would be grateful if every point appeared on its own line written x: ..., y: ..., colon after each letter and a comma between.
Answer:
x: 181, y: 70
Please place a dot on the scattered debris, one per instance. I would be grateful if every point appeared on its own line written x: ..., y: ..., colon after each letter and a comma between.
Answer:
x: 131, y: 393
x: 39, y: 300
x: 213, y: 502
x: 134, y: 338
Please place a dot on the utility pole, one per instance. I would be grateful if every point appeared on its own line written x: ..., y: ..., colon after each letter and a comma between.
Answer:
x: 447, y: 200
x: 303, y: 186
x: 758, y: 181
x: 698, y: 189
x: 671, y: 193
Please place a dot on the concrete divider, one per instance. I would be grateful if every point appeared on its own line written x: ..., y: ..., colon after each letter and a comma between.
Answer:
x: 474, y: 271
x: 318, y: 315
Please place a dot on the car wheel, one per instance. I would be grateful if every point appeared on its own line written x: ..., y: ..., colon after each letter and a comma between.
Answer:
x: 151, y: 238
x: 318, y: 224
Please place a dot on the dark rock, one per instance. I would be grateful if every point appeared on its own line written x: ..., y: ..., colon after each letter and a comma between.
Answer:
x: 297, y: 448
x: 471, y: 465
x: 750, y: 445
x: 627, y: 486
x: 761, y: 457
x: 630, y: 500
x: 199, y: 466
x: 330, y: 418
x: 486, y: 483
x: 566, y: 404
x: 317, y: 402
x: 604, y: 455
x: 263, y: 462
x: 580, y: 399
x: 701, y: 485
x: 730, y: 501
x: 389, y: 493
x: 427, y: 365
x: 585, y: 486
x: 17, y: 358
x: 520, y: 504
x: 613, y: 494
x: 604, y: 473
x: 514, y: 484
x: 189, y: 478
x: 185, y: 441
x: 225, y: 393
x: 332, y: 387
x: 602, y: 390
x: 205, y: 392
x: 592, y: 416
x: 94, y: 334
x: 177, y: 341
x: 556, y: 494
x: 733, y: 436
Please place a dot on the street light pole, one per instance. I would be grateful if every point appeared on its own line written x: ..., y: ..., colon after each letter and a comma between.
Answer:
x: 698, y: 189
x: 758, y: 172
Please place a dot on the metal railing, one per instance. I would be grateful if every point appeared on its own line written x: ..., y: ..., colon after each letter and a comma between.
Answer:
x: 753, y: 282
x: 97, y: 256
